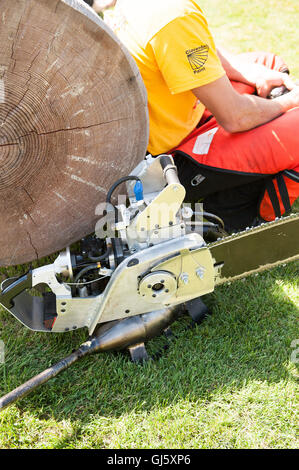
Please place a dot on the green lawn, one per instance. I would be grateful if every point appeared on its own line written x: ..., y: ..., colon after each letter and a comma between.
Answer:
x: 229, y: 383
x: 251, y: 25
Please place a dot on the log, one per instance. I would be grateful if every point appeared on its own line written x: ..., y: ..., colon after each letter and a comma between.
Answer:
x: 73, y: 119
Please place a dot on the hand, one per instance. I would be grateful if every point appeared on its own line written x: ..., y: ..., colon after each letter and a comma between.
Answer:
x: 293, y: 97
x: 271, y: 79
x: 100, y: 5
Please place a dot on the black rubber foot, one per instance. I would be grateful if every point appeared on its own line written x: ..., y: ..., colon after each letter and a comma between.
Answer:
x: 197, y: 310
x: 138, y: 353
x: 169, y: 334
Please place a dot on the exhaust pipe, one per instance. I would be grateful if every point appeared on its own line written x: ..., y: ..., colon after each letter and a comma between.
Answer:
x: 133, y: 330
x: 111, y: 336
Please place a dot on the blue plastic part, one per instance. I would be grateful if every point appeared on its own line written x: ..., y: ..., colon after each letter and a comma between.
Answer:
x: 138, y: 191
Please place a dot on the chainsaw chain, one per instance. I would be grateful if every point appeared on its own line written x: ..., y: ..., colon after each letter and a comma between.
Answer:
x: 258, y: 228
x: 249, y: 230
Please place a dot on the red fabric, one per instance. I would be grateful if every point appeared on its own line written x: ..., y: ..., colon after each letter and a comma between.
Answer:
x: 265, y: 150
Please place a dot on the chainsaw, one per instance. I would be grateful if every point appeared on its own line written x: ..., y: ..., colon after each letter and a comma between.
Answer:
x: 151, y: 258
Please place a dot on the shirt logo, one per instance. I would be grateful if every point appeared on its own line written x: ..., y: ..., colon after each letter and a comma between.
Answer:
x: 197, y: 58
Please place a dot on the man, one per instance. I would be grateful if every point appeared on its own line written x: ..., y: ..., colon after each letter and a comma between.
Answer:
x: 231, y: 146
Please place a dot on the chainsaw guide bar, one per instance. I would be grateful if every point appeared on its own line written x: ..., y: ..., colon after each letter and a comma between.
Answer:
x: 257, y: 249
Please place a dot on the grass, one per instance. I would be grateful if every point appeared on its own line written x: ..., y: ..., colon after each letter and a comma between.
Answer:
x: 229, y: 383
x: 270, y: 25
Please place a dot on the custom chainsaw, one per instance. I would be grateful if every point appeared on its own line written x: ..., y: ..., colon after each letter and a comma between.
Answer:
x: 151, y: 258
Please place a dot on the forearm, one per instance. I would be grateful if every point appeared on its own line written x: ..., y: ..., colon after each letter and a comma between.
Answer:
x: 238, y: 113
x: 252, y: 111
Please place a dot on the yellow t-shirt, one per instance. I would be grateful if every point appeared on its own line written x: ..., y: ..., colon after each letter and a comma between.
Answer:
x: 175, y: 52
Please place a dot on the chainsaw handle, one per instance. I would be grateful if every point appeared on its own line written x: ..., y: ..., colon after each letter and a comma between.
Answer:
x: 169, y: 169
x: 15, y: 288
x: 278, y: 91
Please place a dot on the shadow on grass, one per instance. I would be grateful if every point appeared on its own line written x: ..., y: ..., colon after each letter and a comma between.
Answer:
x: 247, y: 338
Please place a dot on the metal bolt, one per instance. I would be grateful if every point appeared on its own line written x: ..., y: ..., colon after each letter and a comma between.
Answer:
x: 200, y: 272
x: 185, y: 278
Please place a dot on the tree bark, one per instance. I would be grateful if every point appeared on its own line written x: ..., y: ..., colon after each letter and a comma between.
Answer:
x: 73, y: 119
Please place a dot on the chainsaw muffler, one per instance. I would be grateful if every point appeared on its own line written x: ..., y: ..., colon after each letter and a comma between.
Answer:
x: 134, y: 330
x: 128, y: 333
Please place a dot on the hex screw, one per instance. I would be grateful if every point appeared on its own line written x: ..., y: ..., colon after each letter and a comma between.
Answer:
x: 185, y: 278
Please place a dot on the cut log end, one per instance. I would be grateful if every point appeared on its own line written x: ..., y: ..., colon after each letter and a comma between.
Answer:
x: 73, y: 119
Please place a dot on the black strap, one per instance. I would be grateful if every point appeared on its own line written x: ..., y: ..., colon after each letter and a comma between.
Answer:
x: 273, y: 198
x: 283, y: 190
x: 292, y: 174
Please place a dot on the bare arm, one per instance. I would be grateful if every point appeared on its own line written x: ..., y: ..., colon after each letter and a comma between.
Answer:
x: 238, y: 113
